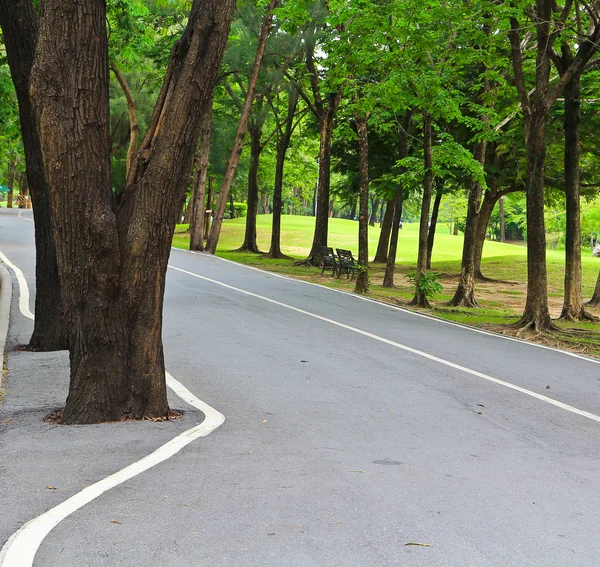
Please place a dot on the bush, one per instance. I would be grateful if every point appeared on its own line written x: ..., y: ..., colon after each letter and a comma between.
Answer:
x: 427, y: 284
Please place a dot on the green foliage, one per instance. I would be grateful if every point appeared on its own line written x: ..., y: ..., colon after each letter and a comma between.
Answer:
x: 426, y: 284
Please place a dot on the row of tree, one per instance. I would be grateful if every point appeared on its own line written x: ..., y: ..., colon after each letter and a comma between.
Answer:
x: 401, y: 101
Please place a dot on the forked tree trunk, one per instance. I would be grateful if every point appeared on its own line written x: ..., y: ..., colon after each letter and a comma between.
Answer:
x: 134, y: 130
x: 384, y: 236
x: 420, y: 298
x: 199, y: 190
x: 362, y: 279
x: 282, y: 148
x: 390, y: 266
x: 20, y: 29
x: 435, y: 212
x: 465, y: 292
x: 113, y: 261
x: 236, y: 152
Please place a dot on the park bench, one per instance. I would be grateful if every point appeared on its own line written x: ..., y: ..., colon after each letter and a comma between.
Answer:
x: 329, y: 262
x: 346, y: 262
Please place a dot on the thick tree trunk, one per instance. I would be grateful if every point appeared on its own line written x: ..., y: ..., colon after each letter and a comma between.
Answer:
x: 384, y: 236
x: 113, y: 262
x: 322, y: 213
x: 465, y: 292
x: 255, y: 126
x: 374, y: 212
x: 483, y: 220
x: 362, y: 280
x: 19, y: 25
x: 236, y: 152
x: 209, y: 207
x: 134, y: 130
x: 435, y: 212
x: 420, y: 299
x: 197, y: 204
x: 282, y: 148
x: 573, y: 300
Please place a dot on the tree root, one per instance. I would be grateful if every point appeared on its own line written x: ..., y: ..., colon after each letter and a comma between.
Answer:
x: 281, y: 256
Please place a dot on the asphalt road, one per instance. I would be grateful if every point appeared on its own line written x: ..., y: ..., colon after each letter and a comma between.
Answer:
x: 341, y: 444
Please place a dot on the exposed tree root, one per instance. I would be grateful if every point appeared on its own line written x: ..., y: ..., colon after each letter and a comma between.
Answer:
x: 248, y: 249
x: 583, y: 315
x: 279, y: 256
x: 420, y: 300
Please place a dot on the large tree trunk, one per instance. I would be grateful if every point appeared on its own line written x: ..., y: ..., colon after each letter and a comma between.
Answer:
x: 362, y: 280
x: 197, y: 204
x: 113, y: 261
x: 435, y: 212
x: 483, y: 220
x: 282, y: 148
x: 384, y: 236
x: 595, y: 301
x: 323, y: 187
x: 236, y: 152
x: 573, y: 300
x: 255, y: 126
x: 420, y: 299
x: 19, y: 25
x: 465, y: 292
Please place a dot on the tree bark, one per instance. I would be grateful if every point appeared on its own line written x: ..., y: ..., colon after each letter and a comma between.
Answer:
x: 236, y: 152
x: 390, y: 266
x: 199, y: 191
x: 420, y: 299
x: 465, y: 292
x: 595, y: 301
x: 374, y: 212
x: 113, y: 259
x: 20, y: 29
x: 362, y: 280
x: 282, y: 148
x: 384, y: 236
x: 435, y: 211
x: 255, y: 126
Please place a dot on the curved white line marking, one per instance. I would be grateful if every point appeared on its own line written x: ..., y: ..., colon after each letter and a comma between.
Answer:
x: 23, y: 288
x: 21, y: 547
x: 420, y: 353
x: 396, y: 308
x: 20, y: 215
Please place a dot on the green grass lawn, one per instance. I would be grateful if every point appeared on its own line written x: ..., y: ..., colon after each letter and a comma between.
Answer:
x: 501, y: 302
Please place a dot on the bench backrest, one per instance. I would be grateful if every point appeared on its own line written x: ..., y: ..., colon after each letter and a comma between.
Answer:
x: 345, y: 254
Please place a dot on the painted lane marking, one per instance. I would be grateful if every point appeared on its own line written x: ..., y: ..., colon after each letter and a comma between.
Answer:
x: 400, y: 346
x: 21, y: 547
x: 20, y: 215
x: 396, y: 308
x: 23, y: 288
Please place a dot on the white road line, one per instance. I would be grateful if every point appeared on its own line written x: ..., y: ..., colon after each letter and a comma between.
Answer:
x: 420, y: 353
x: 21, y: 547
x: 23, y: 288
x: 401, y: 309
x: 20, y: 215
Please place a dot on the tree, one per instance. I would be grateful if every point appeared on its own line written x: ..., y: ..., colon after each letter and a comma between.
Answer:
x: 112, y: 254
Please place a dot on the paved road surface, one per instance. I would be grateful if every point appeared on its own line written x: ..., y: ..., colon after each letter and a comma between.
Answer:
x: 340, y: 446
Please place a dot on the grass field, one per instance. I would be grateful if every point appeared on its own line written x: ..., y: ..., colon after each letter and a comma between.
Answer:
x: 501, y: 301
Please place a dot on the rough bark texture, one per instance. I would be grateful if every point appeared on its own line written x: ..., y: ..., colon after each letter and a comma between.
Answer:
x: 197, y: 205
x: 381, y: 254
x: 465, y: 292
x: 113, y: 260
x: 362, y: 279
x: 236, y: 152
x: 435, y: 212
x: 282, y: 147
x: 19, y: 25
x: 420, y: 299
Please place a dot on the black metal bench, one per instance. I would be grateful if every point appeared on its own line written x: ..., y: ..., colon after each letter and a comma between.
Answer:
x: 346, y: 262
x: 329, y: 261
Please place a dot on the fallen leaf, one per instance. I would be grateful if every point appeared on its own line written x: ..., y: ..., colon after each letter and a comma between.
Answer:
x: 418, y: 544
x: 547, y: 387
x: 363, y: 472
x: 51, y: 487
x: 264, y: 421
x: 115, y: 521
x: 479, y: 413
x: 7, y: 421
